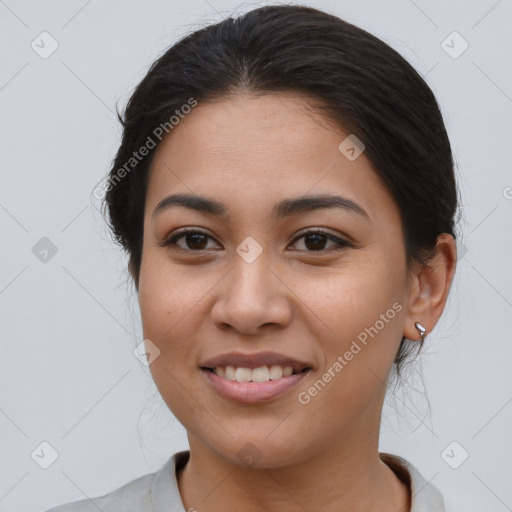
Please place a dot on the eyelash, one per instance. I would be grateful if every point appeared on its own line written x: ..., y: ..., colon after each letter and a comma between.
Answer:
x: 342, y: 244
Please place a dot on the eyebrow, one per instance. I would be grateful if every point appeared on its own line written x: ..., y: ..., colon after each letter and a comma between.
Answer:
x: 283, y: 209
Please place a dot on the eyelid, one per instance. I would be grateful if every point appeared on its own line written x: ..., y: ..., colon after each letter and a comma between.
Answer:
x: 321, y: 231
x: 168, y: 240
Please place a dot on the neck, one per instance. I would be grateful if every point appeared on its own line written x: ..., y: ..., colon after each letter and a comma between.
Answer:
x: 347, y: 477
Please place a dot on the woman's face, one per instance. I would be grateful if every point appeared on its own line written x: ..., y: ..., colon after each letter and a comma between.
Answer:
x: 253, y: 280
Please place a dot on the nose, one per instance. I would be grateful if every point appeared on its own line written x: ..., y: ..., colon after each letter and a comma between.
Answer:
x: 252, y: 299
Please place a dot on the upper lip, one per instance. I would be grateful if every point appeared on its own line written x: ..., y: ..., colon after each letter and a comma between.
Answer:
x: 241, y: 360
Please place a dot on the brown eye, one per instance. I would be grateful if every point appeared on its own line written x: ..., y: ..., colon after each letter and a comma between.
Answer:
x: 316, y: 241
x: 191, y: 240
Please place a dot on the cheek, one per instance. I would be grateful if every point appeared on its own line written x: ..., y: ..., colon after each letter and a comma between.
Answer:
x: 167, y: 294
x: 164, y: 301
x: 353, y: 299
x: 174, y: 304
x: 168, y: 310
x: 359, y: 314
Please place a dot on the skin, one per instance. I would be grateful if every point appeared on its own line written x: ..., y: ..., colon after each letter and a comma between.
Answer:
x: 249, y: 152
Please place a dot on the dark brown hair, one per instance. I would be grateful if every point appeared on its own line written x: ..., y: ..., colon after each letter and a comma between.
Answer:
x: 365, y: 86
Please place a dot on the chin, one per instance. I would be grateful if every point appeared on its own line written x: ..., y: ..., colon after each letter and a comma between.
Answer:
x: 259, y: 452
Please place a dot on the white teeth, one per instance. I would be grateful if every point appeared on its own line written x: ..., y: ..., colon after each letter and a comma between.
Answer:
x: 230, y: 372
x: 287, y: 370
x: 276, y: 372
x: 260, y: 374
x: 243, y: 374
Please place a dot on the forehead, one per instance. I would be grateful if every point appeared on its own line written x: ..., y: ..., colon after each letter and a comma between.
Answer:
x: 248, y: 150
x: 264, y: 128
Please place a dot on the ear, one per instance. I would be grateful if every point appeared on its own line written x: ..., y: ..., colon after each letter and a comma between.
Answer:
x: 429, y: 287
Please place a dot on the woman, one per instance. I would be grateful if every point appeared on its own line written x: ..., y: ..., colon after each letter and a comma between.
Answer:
x: 285, y: 192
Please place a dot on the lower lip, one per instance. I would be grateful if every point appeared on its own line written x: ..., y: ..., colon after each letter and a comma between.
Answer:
x: 253, y: 392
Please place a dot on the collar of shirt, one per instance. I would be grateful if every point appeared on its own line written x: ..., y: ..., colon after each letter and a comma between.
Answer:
x: 159, y: 491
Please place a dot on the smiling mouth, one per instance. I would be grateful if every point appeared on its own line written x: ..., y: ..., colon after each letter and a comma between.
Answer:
x: 261, y: 374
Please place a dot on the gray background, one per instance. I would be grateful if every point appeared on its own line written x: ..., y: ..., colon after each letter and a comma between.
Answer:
x: 69, y: 323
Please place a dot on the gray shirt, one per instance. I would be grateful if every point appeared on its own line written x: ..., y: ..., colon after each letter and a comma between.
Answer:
x: 158, y: 492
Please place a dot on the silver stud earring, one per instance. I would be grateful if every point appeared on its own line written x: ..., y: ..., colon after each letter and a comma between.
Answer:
x: 421, y: 329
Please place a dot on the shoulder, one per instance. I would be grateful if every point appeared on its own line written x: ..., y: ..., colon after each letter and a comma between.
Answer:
x: 134, y: 495
x: 144, y: 494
